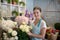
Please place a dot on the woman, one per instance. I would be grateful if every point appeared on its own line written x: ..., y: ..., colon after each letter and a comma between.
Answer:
x: 39, y: 25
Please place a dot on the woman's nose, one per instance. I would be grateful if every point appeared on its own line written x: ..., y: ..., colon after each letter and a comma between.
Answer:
x: 36, y: 14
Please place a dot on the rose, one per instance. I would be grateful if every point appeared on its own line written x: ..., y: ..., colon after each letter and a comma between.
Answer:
x: 12, y: 38
x: 16, y: 37
x: 25, y: 28
x: 10, y: 30
x: 11, y: 24
x: 20, y: 19
x: 23, y: 23
x: 8, y: 24
x: 15, y: 23
x: 14, y: 33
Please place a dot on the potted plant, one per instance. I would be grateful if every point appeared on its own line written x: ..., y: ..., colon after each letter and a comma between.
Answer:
x: 15, y: 13
x: 8, y: 1
x: 57, y: 26
x: 15, y: 1
x: 12, y: 1
x: 22, y: 3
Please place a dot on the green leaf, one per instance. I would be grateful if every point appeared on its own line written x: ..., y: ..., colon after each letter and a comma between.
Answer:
x: 22, y: 35
x: 15, y: 12
x: 16, y: 1
x: 8, y: 1
x: 23, y: 3
x: 57, y: 26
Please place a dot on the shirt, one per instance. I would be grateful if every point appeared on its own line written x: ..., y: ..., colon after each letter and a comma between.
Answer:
x: 36, y: 28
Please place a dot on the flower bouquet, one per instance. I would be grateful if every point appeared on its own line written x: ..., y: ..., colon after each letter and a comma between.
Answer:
x: 23, y: 28
x: 8, y: 27
x: 10, y: 35
x: 20, y: 19
x: 22, y: 31
x: 12, y: 32
x: 6, y: 24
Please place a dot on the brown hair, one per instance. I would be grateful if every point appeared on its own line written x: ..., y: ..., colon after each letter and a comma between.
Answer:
x: 37, y: 8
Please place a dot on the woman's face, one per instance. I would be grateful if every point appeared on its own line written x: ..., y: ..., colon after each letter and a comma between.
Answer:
x: 37, y: 13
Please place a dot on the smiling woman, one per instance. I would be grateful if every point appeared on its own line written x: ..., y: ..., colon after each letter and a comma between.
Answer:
x: 39, y: 25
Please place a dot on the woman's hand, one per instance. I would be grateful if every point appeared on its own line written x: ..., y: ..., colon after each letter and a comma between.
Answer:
x: 34, y: 35
x: 29, y: 33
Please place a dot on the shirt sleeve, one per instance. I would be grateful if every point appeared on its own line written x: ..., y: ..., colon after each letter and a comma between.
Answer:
x: 43, y: 24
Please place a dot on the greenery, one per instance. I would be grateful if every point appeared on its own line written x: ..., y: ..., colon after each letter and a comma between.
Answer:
x: 13, y: 1
x: 57, y: 26
x: 22, y: 35
x: 16, y: 1
x: 23, y: 3
x: 9, y: 35
x: 15, y: 13
x: 8, y: 1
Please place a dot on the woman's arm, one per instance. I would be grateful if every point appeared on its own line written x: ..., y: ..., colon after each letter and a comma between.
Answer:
x: 41, y: 35
x: 42, y: 31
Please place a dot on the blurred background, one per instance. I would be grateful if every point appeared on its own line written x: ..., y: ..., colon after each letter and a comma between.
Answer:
x: 9, y: 9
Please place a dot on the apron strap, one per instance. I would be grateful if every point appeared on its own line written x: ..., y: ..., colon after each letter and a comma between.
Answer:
x: 39, y: 22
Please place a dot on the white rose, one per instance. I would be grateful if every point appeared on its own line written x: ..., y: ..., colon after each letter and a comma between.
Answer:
x: 14, y: 33
x: 10, y: 30
x: 21, y: 26
x: 24, y: 28
x: 23, y: 23
x: 16, y: 37
x: 15, y: 23
x: 27, y: 29
x: 12, y: 38
x: 30, y: 27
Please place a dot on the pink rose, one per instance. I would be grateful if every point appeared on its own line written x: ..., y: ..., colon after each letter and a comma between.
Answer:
x: 20, y: 19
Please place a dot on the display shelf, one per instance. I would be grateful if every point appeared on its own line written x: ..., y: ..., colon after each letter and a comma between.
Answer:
x: 7, y: 8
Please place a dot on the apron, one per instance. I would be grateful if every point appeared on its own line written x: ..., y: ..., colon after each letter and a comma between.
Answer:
x: 36, y: 29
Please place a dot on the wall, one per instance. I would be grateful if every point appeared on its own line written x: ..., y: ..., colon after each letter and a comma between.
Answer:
x: 50, y: 10
x: 41, y: 3
x: 29, y: 5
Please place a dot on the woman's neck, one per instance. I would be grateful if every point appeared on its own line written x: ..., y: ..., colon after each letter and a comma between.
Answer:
x: 36, y: 21
x: 38, y: 18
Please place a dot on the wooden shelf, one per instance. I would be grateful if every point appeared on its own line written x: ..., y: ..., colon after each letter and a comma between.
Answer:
x: 11, y: 7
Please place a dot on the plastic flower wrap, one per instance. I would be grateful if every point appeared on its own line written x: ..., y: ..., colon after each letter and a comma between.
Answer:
x: 24, y: 27
x: 6, y: 24
x: 20, y: 19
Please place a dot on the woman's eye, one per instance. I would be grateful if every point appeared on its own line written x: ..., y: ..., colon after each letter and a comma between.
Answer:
x: 34, y: 12
x: 37, y: 12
